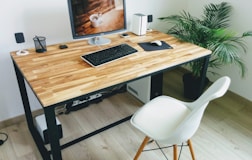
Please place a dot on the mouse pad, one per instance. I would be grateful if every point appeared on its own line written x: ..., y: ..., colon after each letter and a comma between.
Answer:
x: 147, y: 46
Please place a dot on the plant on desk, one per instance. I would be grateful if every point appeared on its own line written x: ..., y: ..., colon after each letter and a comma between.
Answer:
x: 211, y: 32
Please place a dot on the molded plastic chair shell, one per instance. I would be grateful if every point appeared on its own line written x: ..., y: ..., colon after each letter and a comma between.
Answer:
x: 171, y: 121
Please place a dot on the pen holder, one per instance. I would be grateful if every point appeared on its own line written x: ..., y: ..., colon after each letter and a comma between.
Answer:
x: 40, y: 44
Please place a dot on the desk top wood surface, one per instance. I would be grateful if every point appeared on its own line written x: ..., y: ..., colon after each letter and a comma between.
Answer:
x: 59, y: 75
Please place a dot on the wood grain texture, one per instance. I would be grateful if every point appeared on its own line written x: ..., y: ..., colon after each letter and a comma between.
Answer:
x: 60, y: 75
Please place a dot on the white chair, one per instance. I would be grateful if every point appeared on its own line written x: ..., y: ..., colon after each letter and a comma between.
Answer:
x: 170, y: 121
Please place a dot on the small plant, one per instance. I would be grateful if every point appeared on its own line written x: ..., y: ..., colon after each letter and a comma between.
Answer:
x: 211, y: 32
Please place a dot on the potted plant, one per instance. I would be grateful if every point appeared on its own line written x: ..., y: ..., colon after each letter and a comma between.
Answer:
x: 211, y: 32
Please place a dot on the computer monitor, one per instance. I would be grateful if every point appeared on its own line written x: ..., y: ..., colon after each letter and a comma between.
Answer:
x: 94, y: 18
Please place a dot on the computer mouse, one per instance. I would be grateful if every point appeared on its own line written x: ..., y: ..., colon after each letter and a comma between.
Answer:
x: 63, y: 46
x: 156, y: 43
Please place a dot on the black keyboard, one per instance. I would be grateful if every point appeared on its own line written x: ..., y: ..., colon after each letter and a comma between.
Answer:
x: 107, y: 55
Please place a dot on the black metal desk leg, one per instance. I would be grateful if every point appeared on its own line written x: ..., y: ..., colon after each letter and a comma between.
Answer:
x: 53, y: 133
x: 25, y: 99
x: 203, y: 73
x: 28, y: 114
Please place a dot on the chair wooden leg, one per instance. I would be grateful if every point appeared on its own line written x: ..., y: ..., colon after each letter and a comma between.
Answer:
x: 191, y: 149
x: 175, y: 152
x: 145, y: 141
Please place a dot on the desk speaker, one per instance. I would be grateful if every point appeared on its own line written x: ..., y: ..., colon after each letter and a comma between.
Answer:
x: 139, y: 24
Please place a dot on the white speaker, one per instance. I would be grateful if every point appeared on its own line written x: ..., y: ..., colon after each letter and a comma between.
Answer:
x: 139, y: 24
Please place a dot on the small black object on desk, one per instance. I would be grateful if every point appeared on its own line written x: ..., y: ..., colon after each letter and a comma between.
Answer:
x: 63, y: 46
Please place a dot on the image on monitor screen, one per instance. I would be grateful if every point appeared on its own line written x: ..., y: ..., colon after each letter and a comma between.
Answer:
x: 94, y: 18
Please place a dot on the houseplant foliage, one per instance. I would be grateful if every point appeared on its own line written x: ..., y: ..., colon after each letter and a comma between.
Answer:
x: 211, y: 31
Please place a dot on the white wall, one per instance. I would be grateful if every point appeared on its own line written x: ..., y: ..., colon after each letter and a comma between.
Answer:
x: 240, y: 22
x: 50, y: 19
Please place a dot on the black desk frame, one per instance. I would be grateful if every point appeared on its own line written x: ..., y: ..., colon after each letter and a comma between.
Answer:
x: 55, y: 152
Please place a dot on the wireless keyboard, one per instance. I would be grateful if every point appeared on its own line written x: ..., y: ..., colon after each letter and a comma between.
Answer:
x: 107, y: 55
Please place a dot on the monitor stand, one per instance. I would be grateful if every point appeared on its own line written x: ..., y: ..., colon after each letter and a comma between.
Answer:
x: 99, y: 40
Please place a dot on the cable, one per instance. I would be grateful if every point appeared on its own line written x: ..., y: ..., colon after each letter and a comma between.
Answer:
x: 4, y: 140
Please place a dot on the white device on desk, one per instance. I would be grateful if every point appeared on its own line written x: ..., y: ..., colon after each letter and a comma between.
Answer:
x: 146, y: 88
x: 139, y: 24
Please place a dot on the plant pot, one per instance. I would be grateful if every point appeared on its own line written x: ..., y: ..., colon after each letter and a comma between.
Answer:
x: 192, y: 86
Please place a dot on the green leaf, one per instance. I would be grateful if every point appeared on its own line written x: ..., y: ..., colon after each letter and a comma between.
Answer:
x: 211, y: 32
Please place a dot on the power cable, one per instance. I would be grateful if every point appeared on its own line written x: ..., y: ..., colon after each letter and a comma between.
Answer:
x: 3, y: 140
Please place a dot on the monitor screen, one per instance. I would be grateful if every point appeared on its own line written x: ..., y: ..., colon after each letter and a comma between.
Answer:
x: 93, y: 18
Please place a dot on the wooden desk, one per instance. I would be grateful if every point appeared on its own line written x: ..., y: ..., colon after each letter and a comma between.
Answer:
x: 61, y: 76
